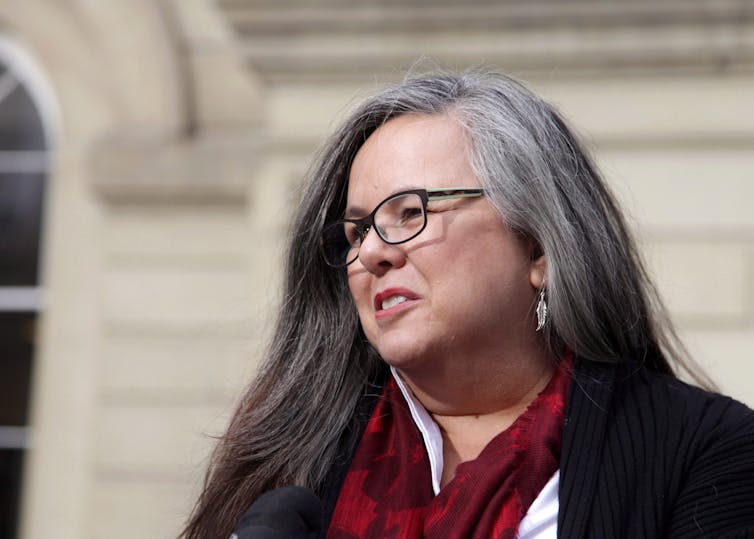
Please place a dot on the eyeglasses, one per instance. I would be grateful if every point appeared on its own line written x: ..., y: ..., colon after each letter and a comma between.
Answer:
x: 397, y: 219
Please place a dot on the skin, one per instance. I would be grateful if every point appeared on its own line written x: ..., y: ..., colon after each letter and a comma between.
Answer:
x: 465, y: 342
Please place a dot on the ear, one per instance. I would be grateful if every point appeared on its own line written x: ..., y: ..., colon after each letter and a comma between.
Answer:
x: 537, y: 267
x: 537, y: 272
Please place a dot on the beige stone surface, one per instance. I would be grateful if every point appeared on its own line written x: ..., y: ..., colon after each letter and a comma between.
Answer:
x: 356, y: 40
x: 175, y: 297
x: 221, y: 93
x: 726, y: 355
x: 654, y: 111
x: 135, y: 506
x: 226, y: 96
x: 178, y: 368
x: 704, y: 283
x: 701, y: 190
x: 308, y: 112
x: 138, y: 62
x: 146, y: 436
x: 144, y: 233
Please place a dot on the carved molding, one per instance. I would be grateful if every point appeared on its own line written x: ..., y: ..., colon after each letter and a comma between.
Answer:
x: 210, y: 158
x: 188, y: 172
x: 335, y: 38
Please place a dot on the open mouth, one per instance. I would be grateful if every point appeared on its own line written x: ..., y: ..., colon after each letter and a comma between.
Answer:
x: 392, y: 302
x: 392, y: 299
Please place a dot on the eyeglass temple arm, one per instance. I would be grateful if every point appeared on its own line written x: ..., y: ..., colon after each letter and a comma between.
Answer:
x: 441, y: 194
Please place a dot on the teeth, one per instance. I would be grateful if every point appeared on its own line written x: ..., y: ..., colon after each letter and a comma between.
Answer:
x: 393, y: 301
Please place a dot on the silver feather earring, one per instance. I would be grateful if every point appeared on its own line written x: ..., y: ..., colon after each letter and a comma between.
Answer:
x: 541, y: 310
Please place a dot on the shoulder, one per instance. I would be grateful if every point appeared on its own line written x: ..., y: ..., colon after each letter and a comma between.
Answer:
x: 688, y: 449
x: 678, y: 406
x: 632, y: 390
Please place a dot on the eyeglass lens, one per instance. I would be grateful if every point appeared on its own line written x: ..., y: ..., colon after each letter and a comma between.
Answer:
x: 396, y: 219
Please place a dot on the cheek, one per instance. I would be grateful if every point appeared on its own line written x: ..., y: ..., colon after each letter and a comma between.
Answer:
x: 360, y: 293
x: 359, y: 288
x: 486, y: 278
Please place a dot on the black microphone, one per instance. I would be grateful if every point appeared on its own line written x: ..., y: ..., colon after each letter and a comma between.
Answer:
x: 283, y: 513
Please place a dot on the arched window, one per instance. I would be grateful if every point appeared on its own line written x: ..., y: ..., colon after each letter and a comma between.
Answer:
x: 24, y: 158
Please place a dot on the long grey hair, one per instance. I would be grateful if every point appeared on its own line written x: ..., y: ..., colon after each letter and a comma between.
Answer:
x: 602, y: 304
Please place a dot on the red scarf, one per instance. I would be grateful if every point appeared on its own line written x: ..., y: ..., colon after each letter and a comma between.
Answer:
x: 388, y: 489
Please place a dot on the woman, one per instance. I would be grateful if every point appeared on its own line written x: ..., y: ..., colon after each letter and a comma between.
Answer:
x: 470, y: 346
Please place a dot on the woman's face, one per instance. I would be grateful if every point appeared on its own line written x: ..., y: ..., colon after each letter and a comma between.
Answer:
x: 466, y: 284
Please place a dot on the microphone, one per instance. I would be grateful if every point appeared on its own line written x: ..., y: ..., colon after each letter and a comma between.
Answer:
x: 283, y: 513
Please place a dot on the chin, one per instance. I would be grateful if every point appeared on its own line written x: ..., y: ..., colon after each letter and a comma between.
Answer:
x: 403, y: 355
x: 402, y: 345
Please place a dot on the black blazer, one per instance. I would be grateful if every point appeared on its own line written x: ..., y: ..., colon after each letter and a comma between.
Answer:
x: 644, y: 456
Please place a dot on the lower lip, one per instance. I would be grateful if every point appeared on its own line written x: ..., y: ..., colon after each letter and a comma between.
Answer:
x: 392, y: 311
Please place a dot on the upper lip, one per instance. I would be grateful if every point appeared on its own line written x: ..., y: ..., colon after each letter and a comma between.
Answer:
x: 390, y: 292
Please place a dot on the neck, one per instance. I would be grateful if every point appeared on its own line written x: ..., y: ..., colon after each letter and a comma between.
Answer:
x: 472, y: 405
x: 478, y: 387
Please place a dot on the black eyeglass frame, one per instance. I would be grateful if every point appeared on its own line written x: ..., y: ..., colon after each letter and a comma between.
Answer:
x: 365, y: 224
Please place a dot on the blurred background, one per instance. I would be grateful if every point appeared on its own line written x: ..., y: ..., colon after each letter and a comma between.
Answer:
x: 150, y: 156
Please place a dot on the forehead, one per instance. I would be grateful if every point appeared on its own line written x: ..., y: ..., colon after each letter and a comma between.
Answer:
x: 408, y: 152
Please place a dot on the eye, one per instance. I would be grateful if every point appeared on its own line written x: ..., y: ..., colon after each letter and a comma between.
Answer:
x: 407, y: 214
x: 358, y: 234
x: 355, y: 234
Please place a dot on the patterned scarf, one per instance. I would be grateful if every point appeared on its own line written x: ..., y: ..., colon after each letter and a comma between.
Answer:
x: 388, y: 488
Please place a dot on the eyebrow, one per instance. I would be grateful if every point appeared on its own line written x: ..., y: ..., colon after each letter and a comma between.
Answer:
x: 353, y: 211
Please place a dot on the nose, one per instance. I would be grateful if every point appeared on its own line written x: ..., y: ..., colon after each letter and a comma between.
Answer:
x: 377, y: 256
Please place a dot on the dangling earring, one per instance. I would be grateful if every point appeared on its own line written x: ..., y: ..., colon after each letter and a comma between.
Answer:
x: 541, y: 310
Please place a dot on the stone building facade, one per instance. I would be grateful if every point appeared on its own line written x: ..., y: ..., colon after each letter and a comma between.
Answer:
x: 182, y: 129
